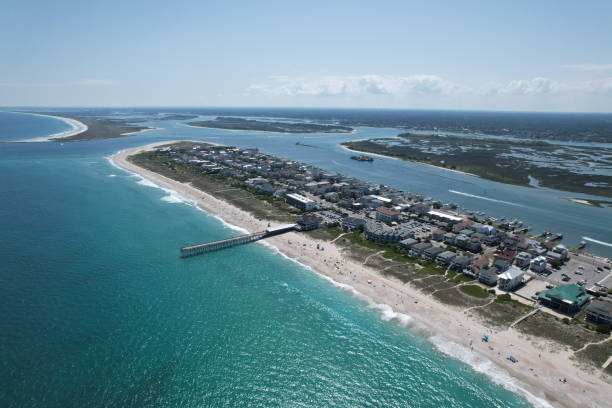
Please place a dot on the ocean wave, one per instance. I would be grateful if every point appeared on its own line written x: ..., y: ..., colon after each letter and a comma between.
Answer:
x: 478, y: 363
x: 172, y: 196
x: 485, y: 198
x: 485, y: 366
x: 386, y: 312
x: 227, y: 224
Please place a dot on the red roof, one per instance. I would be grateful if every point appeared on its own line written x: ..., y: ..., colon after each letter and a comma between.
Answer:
x: 386, y: 211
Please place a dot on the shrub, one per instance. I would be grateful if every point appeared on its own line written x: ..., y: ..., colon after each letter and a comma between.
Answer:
x: 603, y: 328
x: 566, y: 320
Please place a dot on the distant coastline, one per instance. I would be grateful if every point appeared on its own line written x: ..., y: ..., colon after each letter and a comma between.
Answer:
x: 233, y: 123
x: 78, y: 127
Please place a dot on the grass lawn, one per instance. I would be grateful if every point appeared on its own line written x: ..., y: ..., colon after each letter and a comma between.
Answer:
x: 596, y: 354
x: 475, y: 291
x: 549, y: 327
x: 502, y: 314
x: 455, y: 297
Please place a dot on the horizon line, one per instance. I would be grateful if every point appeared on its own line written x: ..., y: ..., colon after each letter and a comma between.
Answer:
x: 6, y: 108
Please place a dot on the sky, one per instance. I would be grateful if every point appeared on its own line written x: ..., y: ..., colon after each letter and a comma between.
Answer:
x: 474, y: 55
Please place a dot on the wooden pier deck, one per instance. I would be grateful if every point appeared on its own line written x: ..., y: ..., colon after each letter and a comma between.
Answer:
x: 199, y: 249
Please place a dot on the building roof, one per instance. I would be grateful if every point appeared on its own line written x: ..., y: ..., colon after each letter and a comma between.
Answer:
x: 300, y: 198
x: 386, y: 211
x: 408, y: 242
x: 447, y: 254
x: 601, y: 306
x: 463, y: 260
x: 422, y: 245
x: 511, y: 274
x: 434, y: 250
x: 308, y: 219
x: 567, y: 293
x: 441, y: 214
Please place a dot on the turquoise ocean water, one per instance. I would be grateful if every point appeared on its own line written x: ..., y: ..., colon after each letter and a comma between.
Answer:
x: 98, y: 309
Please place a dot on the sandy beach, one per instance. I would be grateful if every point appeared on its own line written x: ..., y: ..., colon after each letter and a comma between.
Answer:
x: 541, y: 363
x: 140, y: 131
x: 77, y: 128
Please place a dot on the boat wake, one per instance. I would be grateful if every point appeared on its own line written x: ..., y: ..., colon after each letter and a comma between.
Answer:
x: 597, y: 241
x: 485, y: 198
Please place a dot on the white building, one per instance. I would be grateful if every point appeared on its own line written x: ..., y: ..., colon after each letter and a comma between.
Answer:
x: 538, y: 264
x: 510, y: 279
x: 562, y: 250
x: 301, y: 202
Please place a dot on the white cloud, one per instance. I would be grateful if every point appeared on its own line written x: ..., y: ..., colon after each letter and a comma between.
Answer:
x: 589, y: 67
x: 356, y: 85
x: 534, y: 86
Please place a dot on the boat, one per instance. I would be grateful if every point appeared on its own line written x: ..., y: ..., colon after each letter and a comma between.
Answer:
x: 581, y: 245
x: 556, y: 237
x: 363, y: 158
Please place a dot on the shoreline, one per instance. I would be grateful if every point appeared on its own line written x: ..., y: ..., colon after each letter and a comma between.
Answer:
x: 397, y: 158
x: 270, y: 131
x: 140, y: 131
x: 77, y: 128
x: 446, y: 327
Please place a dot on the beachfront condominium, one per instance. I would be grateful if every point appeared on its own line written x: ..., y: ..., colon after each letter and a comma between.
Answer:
x: 301, y: 202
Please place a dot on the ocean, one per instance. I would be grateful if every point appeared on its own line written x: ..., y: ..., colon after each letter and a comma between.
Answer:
x: 99, y: 310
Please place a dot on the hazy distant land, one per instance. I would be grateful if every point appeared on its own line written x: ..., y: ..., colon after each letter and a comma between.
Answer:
x: 231, y: 123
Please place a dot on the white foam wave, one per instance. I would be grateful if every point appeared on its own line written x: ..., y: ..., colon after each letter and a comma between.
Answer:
x: 597, y: 241
x: 485, y: 198
x: 148, y: 183
x: 171, y: 197
x: 479, y: 364
x: 227, y: 224
x: 485, y: 366
x: 387, y: 313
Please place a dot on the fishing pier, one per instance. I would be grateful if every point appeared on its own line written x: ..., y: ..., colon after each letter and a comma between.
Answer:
x: 200, y: 249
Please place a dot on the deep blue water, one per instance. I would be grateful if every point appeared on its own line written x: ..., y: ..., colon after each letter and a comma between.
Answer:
x: 98, y: 309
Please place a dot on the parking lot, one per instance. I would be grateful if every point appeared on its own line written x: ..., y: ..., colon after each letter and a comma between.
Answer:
x: 582, y: 268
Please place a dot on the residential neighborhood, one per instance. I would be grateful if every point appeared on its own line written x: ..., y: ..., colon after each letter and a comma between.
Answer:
x: 496, y: 254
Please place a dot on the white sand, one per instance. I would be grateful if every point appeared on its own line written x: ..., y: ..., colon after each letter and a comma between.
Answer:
x: 140, y: 131
x: 541, y: 363
x: 77, y: 128
x: 580, y: 201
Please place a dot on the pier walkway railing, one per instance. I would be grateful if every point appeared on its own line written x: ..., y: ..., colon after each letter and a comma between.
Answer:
x: 195, y: 250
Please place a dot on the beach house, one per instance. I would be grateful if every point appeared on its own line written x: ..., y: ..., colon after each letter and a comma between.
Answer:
x: 510, y: 279
x: 600, y: 311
